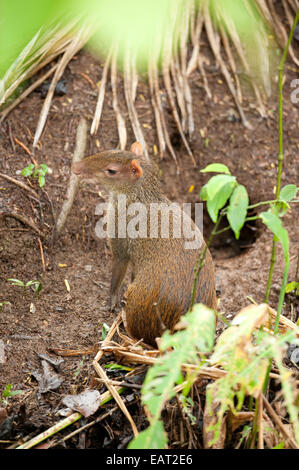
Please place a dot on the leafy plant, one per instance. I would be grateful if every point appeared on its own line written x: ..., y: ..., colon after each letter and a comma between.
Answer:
x: 292, y: 286
x: 166, y: 373
x: 37, y: 285
x: 105, y: 330
x: 243, y: 350
x: 226, y: 197
x: 37, y: 172
x: 8, y: 392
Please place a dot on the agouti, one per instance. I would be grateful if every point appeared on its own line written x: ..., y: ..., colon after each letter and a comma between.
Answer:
x: 162, y: 268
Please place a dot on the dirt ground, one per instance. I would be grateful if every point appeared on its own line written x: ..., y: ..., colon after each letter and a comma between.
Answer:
x: 73, y: 319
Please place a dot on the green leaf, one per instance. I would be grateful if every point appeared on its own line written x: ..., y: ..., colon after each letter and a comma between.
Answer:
x: 288, y: 192
x: 41, y: 180
x: 117, y: 367
x: 280, y: 208
x: 16, y: 282
x: 160, y: 379
x: 217, y: 192
x: 204, y: 193
x: 219, y: 201
x: 8, y: 392
x: 38, y: 287
x: 279, y: 446
x: 216, y: 168
x: 28, y: 170
x: 44, y: 169
x: 291, y: 286
x: 237, y: 209
x: 216, y: 183
x: 105, y: 329
x: 153, y: 437
x: 274, y: 223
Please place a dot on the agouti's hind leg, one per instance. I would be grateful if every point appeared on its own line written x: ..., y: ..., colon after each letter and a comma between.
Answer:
x: 119, y: 268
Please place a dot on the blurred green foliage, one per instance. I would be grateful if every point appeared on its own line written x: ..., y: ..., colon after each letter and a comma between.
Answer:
x: 133, y: 25
x: 19, y: 22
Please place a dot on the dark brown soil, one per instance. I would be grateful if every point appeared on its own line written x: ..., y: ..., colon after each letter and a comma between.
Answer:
x: 73, y: 320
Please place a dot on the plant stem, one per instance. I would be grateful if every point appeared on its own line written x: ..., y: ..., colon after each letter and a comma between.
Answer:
x: 282, y: 294
x: 262, y: 203
x: 255, y: 217
x: 280, y: 152
x: 201, y: 261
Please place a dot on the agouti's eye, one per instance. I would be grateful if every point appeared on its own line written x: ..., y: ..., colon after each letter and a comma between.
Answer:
x: 111, y: 172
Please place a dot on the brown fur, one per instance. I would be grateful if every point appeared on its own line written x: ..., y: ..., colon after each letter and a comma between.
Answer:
x: 163, y: 269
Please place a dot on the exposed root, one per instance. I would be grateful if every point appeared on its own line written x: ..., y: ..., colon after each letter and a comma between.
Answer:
x: 130, y: 86
x: 157, y: 111
x: 121, y: 125
x: 214, y: 42
x: 74, y: 47
x: 20, y: 184
x: 74, y: 180
x: 171, y: 99
x: 101, y: 95
x: 21, y: 218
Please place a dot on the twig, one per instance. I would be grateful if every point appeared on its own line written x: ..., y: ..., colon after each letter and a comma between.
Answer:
x: 120, y: 384
x: 81, y: 138
x: 279, y: 423
x: 178, y: 87
x: 23, y: 219
x: 109, y: 336
x: 10, y: 136
x: 193, y: 62
x: 20, y: 184
x: 260, y: 444
x: 101, y: 95
x: 183, y: 55
x: 42, y: 254
x: 88, y: 79
x: 157, y: 110
x: 86, y: 426
x: 102, y: 374
x: 212, y: 35
x: 105, y: 398
x: 49, y: 432
x: 281, y: 33
x: 129, y: 91
x: 121, y: 124
x: 73, y: 48
x: 114, y: 392
x: 167, y: 83
x: 24, y: 147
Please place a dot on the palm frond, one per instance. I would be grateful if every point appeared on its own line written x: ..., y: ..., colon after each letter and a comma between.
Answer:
x: 175, y: 54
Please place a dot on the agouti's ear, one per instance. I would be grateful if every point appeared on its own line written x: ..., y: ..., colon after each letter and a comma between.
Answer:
x: 135, y: 169
x: 137, y: 149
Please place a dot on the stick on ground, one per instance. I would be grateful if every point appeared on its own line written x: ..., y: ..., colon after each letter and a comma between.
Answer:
x: 74, y: 181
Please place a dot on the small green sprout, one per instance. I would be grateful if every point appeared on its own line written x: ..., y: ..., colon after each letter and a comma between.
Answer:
x: 8, y: 392
x: 39, y: 172
x: 37, y: 285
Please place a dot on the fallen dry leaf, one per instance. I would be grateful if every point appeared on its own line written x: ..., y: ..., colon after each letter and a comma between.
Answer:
x: 85, y: 403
